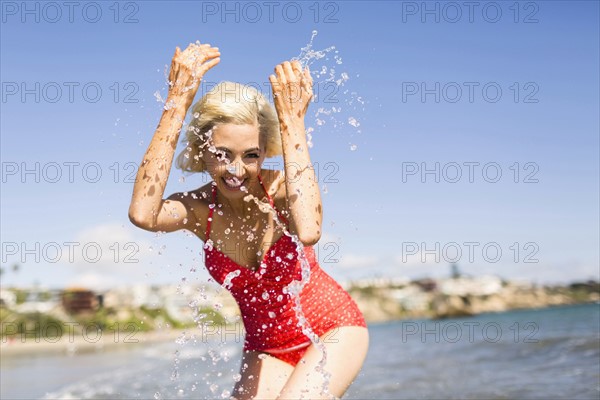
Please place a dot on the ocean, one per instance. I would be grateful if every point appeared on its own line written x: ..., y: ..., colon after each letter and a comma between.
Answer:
x: 551, y: 353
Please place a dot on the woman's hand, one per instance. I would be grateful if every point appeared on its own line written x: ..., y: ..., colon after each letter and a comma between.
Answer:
x: 292, y: 92
x: 188, y: 68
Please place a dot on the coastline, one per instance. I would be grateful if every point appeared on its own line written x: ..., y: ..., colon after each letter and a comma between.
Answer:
x: 74, y: 344
x: 55, y: 332
x: 78, y: 343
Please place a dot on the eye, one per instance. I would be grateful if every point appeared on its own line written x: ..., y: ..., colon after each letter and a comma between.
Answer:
x: 253, y: 155
x: 221, y: 155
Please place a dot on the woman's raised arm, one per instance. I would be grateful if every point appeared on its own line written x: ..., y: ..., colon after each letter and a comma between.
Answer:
x: 292, y: 93
x: 148, y: 210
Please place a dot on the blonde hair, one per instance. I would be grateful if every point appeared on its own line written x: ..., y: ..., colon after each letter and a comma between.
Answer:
x: 228, y: 103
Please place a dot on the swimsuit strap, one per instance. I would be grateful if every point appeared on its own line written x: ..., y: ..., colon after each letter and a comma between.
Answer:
x: 265, y: 189
x: 211, y: 210
x: 271, y: 200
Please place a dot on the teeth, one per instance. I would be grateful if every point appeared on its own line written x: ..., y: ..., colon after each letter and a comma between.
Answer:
x: 234, y: 182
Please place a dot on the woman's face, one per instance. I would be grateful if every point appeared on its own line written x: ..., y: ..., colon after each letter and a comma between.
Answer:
x: 236, y: 158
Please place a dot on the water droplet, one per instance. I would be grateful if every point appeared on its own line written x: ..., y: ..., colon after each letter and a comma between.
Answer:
x: 227, y: 281
x: 158, y: 97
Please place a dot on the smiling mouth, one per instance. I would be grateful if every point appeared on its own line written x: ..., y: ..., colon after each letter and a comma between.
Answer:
x: 233, y: 182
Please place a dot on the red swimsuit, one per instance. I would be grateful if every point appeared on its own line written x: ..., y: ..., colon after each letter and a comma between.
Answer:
x: 267, y: 312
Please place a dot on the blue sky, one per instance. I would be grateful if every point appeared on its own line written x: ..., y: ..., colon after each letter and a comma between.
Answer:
x: 382, y: 216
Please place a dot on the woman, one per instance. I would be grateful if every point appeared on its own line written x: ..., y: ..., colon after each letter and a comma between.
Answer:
x: 264, y: 227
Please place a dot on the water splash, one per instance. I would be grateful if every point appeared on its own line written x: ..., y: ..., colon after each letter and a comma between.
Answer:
x: 352, y: 121
x: 329, y: 90
x: 159, y: 97
x: 175, y: 372
x: 308, y: 56
x: 227, y: 282
x: 294, y: 288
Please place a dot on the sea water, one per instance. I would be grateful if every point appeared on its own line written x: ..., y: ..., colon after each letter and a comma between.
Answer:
x: 551, y: 353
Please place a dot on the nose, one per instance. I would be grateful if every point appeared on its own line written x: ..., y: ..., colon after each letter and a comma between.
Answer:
x: 236, y: 168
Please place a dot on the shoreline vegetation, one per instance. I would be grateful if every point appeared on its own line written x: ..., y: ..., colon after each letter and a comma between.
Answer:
x: 156, y: 314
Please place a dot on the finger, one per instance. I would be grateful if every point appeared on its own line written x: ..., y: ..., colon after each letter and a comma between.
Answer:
x: 297, y: 68
x: 207, y: 55
x: 308, y: 76
x: 274, y: 84
x: 212, y: 52
x: 289, y: 72
x: 280, y: 74
x: 210, y: 64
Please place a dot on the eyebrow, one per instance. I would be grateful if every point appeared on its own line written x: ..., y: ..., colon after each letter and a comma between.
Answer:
x: 247, y: 151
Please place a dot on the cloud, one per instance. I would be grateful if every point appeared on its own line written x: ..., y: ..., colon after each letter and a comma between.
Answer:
x: 104, y: 249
